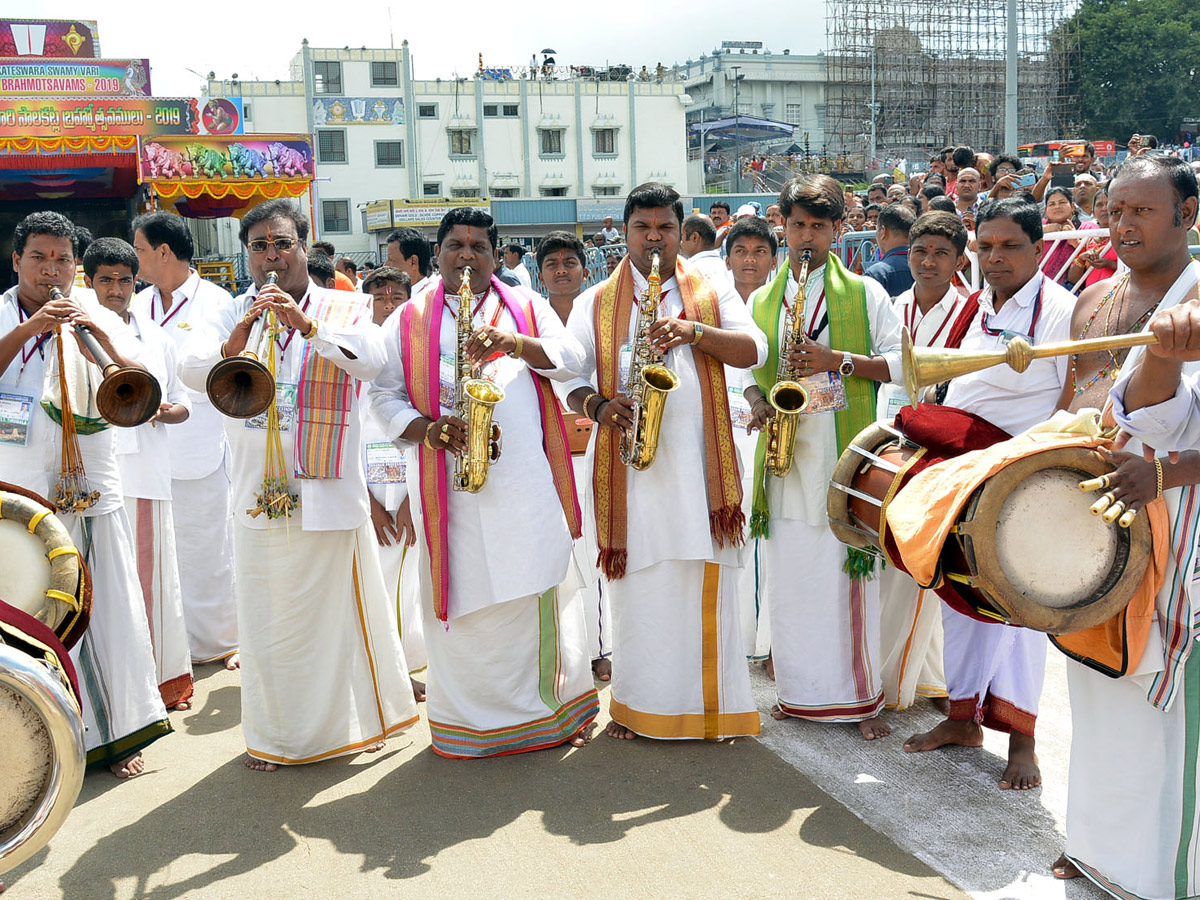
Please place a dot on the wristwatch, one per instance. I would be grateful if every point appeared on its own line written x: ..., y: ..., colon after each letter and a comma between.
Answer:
x: 846, y: 369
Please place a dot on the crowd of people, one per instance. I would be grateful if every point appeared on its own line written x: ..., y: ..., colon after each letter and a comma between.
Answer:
x: 350, y: 515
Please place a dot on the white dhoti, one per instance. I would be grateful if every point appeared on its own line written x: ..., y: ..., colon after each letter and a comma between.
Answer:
x: 752, y: 582
x: 509, y: 678
x: 204, y: 548
x: 994, y: 672
x: 679, y: 666
x: 158, y: 574
x: 401, y: 574
x: 323, y: 673
x: 122, y: 709
x: 583, y: 575
x: 910, y: 638
x: 1131, y: 804
x: 824, y: 627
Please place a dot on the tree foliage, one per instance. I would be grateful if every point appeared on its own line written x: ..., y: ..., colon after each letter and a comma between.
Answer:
x: 1139, y: 66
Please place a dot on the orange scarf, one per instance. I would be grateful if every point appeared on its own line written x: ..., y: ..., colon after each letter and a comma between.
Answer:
x: 613, y: 311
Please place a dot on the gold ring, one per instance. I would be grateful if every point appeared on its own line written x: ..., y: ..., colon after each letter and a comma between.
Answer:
x: 445, y: 438
x: 615, y: 417
x: 446, y: 428
x: 487, y: 342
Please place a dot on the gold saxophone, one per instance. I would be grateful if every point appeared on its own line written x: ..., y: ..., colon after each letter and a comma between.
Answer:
x: 788, y: 395
x: 648, y: 381
x: 474, y: 399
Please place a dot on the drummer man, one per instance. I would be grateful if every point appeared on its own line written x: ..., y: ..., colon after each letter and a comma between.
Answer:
x: 994, y: 672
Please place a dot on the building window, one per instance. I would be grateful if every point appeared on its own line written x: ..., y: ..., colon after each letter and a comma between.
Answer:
x: 389, y: 153
x: 794, y: 113
x: 427, y: 111
x: 551, y: 141
x: 335, y: 216
x: 464, y: 192
x: 384, y: 74
x: 327, y: 77
x: 331, y: 145
x: 511, y: 110
x: 554, y: 192
x: 431, y: 189
x: 462, y: 141
x: 606, y: 191
x: 490, y: 110
x: 820, y: 116
x: 504, y: 192
x: 604, y: 142
x: 246, y: 114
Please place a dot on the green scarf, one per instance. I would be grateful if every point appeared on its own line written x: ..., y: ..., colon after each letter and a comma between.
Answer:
x: 850, y: 332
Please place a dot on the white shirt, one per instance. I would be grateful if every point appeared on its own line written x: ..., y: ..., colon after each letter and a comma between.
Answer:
x: 801, y: 494
x: 197, y: 445
x: 710, y: 264
x: 522, y: 275
x: 668, y: 503
x: 611, y: 235
x: 36, y: 464
x: 326, y: 504
x: 377, y: 446
x: 929, y: 329
x: 144, y: 453
x: 510, y: 539
x: 1011, y: 400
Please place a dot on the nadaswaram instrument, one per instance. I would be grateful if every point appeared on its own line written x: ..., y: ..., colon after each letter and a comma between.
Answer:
x: 788, y: 396
x: 474, y: 401
x: 648, y: 381
x: 128, y: 396
x: 242, y: 386
x: 924, y: 366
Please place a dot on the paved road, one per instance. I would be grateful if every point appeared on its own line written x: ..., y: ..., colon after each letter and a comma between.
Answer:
x: 807, y: 811
x: 629, y: 819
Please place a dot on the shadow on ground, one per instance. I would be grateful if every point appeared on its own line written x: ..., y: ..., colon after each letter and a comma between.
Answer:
x: 422, y: 805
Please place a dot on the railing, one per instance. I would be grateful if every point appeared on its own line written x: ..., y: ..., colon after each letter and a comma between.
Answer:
x: 597, y: 266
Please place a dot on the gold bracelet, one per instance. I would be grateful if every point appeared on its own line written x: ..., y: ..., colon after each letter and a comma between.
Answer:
x: 517, y: 349
x: 428, y: 443
x: 312, y: 332
x: 588, y: 399
x: 1158, y: 472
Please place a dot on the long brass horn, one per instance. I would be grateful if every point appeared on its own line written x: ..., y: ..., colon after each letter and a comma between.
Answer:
x: 241, y: 386
x: 924, y: 366
x: 127, y: 397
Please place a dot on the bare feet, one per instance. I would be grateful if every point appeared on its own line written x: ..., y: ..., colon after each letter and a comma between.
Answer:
x: 260, y: 765
x: 941, y: 704
x: 375, y: 748
x: 952, y: 731
x: 233, y: 662
x: 769, y: 665
x: 129, y: 768
x: 617, y: 730
x: 584, y: 735
x: 874, y: 728
x: 181, y: 706
x: 1022, y: 772
x: 1065, y: 869
x: 777, y: 713
x: 602, y: 669
x: 418, y: 690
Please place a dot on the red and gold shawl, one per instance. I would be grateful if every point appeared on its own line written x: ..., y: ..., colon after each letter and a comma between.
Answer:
x: 420, y: 344
x: 612, y: 316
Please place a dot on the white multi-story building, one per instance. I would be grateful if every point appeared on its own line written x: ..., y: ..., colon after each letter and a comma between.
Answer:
x: 380, y: 136
x: 743, y: 78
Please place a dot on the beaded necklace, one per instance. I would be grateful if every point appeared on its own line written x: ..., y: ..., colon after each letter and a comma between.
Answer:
x: 1113, y: 366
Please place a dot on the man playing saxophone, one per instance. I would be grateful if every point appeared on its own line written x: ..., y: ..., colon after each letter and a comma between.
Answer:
x: 825, y: 624
x: 669, y: 525
x: 508, y: 656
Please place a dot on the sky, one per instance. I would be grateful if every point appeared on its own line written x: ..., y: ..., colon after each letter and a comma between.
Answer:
x: 445, y: 39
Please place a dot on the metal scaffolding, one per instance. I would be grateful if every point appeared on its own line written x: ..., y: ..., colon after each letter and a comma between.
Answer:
x: 908, y: 77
